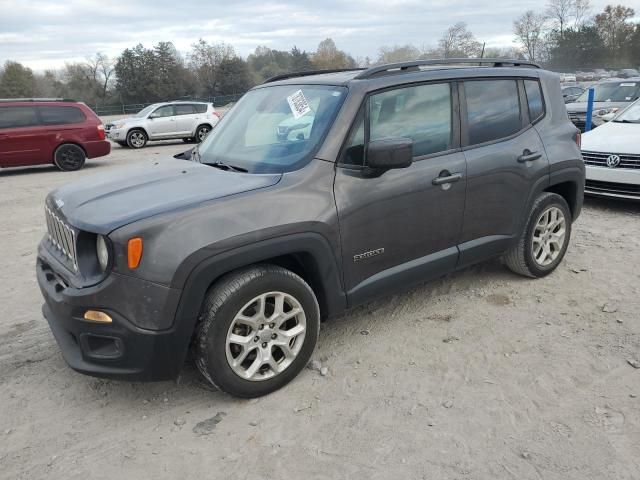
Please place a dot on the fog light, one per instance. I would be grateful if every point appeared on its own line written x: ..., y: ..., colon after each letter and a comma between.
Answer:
x: 96, y: 316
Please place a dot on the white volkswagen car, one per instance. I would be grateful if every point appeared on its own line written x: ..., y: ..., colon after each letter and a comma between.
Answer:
x: 163, y: 121
x: 612, y: 156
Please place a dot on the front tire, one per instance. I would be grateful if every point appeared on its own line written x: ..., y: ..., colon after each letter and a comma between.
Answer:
x: 137, y: 138
x: 258, y: 328
x: 69, y: 157
x: 545, y: 239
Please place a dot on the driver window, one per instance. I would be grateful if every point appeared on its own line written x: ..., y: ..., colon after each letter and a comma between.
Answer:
x: 166, y: 111
x: 421, y: 112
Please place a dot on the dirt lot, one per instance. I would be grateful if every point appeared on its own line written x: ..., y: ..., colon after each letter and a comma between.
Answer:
x: 480, y: 375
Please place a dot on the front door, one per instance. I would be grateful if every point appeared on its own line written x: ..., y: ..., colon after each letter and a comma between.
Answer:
x: 401, y: 226
x: 162, y: 122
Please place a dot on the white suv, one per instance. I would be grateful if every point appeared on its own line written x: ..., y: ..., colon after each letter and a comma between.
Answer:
x: 163, y: 121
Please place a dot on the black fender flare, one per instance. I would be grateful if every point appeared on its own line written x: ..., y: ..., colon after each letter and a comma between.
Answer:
x: 206, y: 266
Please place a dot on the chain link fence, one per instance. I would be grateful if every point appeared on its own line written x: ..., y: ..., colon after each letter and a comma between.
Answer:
x: 133, y: 108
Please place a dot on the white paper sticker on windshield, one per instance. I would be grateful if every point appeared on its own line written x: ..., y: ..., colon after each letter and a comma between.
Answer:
x: 628, y: 84
x: 298, y: 104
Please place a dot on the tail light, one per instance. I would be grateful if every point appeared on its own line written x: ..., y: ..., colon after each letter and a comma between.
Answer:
x: 101, y: 134
x: 216, y: 114
x: 578, y: 138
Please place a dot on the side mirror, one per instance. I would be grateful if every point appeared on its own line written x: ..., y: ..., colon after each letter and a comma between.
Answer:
x: 390, y: 153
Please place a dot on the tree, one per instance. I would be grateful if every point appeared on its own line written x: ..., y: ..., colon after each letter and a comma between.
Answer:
x: 613, y: 28
x: 397, y: 54
x: 234, y: 77
x: 17, y: 81
x: 300, y: 61
x: 205, y: 60
x: 102, y: 70
x: 560, y: 13
x: 328, y: 57
x: 529, y: 32
x: 581, y: 12
x: 457, y: 41
x: 579, y: 48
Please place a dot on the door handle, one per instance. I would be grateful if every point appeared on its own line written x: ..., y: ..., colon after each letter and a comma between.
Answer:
x: 528, y: 156
x: 444, y: 179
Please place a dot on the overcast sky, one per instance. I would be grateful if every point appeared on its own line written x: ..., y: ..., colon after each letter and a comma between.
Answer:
x: 46, y: 33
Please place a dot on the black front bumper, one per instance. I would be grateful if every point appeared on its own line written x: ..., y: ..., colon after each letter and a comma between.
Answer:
x: 119, y: 350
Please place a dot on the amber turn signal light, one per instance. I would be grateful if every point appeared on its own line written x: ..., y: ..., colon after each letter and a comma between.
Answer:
x: 134, y: 252
x: 96, y: 316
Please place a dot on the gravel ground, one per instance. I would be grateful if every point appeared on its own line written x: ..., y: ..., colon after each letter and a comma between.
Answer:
x: 479, y: 375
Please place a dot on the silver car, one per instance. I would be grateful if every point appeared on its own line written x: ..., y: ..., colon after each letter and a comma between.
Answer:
x: 190, y: 121
x: 610, y: 96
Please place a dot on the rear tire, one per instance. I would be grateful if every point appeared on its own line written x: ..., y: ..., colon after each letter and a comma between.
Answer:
x: 545, y: 239
x: 69, y: 157
x: 248, y: 342
x: 201, y: 132
x: 137, y: 138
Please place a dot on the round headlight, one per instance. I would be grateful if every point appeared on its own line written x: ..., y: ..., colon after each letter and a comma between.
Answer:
x: 102, y: 252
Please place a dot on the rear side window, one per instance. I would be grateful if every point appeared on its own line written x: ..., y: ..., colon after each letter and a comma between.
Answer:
x: 534, y: 99
x: 421, y: 112
x: 61, y: 115
x: 13, y: 117
x: 200, y: 107
x: 493, y: 109
x: 184, y: 109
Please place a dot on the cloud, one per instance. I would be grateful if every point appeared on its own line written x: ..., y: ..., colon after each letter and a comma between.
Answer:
x: 43, y: 34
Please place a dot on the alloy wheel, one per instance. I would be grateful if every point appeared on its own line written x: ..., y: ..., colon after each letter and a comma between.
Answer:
x: 549, y: 236
x: 265, y: 336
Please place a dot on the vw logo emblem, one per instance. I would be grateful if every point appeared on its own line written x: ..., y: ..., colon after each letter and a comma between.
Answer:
x: 613, y: 161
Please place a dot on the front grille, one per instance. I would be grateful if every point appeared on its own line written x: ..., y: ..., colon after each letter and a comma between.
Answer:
x: 598, y: 159
x: 596, y: 186
x: 62, y: 237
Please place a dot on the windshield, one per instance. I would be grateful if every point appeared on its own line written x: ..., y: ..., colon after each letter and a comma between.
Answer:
x: 613, y: 92
x: 631, y: 114
x: 274, y: 129
x: 145, y: 111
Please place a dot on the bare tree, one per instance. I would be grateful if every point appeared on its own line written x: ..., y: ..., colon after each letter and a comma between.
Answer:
x: 560, y: 12
x: 529, y: 32
x: 397, y: 54
x: 100, y: 70
x: 581, y: 12
x: 457, y: 41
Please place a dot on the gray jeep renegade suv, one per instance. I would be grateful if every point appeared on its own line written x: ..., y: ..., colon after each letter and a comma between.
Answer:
x: 317, y: 192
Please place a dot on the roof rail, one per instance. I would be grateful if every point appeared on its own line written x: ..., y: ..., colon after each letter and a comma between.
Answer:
x: 36, y: 100
x: 284, y: 76
x: 416, y: 64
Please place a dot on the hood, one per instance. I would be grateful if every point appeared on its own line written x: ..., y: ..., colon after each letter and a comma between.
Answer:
x: 613, y: 137
x: 104, y: 202
x: 581, y: 107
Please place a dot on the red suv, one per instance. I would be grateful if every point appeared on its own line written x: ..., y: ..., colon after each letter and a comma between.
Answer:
x: 62, y: 132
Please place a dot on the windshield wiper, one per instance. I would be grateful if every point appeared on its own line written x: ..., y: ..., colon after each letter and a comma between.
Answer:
x: 226, y: 167
x: 626, y: 121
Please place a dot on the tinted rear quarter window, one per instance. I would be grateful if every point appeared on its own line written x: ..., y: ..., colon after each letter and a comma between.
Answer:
x: 62, y: 115
x: 200, y: 107
x: 14, y: 117
x: 493, y: 109
x: 534, y: 99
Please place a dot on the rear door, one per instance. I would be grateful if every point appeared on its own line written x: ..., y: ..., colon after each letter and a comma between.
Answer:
x: 186, y: 118
x: 21, y: 137
x: 505, y: 159
x: 162, y: 122
x: 402, y: 226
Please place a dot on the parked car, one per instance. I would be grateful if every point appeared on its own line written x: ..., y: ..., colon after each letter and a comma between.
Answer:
x: 612, y: 156
x: 628, y: 73
x: 609, y: 97
x: 164, y: 121
x: 49, y: 131
x: 243, y: 250
x: 568, y: 78
x: 571, y: 92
